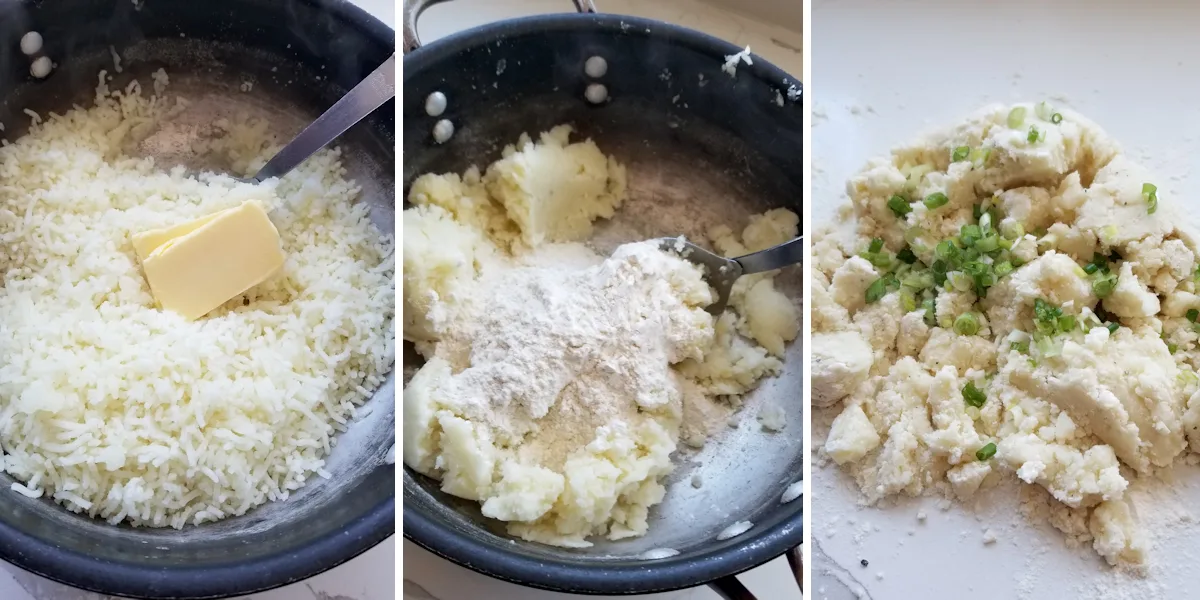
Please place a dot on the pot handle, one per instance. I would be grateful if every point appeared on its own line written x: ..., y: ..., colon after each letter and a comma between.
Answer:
x: 414, y: 8
x: 729, y: 588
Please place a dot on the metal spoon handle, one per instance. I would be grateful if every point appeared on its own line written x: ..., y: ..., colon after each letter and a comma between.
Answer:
x: 786, y: 254
x: 368, y: 95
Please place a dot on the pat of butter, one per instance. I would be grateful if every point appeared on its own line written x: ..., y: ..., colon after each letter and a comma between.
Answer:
x: 197, y: 266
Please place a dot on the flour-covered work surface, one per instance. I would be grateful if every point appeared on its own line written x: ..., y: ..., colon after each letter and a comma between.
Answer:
x: 118, y: 408
x: 1011, y: 298
x: 560, y: 385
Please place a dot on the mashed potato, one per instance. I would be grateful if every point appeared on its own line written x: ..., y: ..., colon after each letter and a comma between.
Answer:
x: 557, y: 381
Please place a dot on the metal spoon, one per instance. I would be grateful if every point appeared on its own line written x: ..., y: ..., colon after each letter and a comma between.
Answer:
x: 721, y: 272
x: 368, y: 95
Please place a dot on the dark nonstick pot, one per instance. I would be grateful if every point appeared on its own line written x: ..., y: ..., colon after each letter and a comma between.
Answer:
x: 300, y: 56
x: 701, y: 148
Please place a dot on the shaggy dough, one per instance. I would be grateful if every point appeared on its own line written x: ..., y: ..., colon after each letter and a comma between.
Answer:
x: 1064, y: 410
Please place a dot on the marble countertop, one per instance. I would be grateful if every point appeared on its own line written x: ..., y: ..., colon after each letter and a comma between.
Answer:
x: 371, y: 576
x: 428, y: 577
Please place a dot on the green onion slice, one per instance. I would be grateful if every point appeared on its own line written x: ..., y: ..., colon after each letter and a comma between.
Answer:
x: 899, y: 206
x: 966, y: 324
x: 1016, y: 117
x: 936, y: 200
x: 1150, y: 193
x: 1104, y: 285
x: 876, y: 290
x: 973, y: 395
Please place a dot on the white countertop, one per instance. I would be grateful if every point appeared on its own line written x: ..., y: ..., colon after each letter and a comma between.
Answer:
x: 371, y: 576
x: 427, y: 577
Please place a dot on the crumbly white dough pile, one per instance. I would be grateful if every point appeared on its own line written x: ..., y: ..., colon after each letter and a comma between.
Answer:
x: 558, y: 382
x: 1080, y: 351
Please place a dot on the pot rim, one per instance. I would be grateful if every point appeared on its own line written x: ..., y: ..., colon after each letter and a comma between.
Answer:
x: 740, y: 554
x: 95, y: 574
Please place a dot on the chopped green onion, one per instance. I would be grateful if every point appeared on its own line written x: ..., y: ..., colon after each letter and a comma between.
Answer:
x: 919, y: 280
x: 915, y: 236
x: 979, y: 156
x: 960, y: 281
x: 1193, y: 315
x: 876, y: 245
x: 985, y: 222
x: 1042, y: 110
x: 939, y: 271
x: 986, y: 452
x: 946, y: 250
x: 1113, y: 327
x: 1011, y: 230
x: 1056, y: 118
x: 960, y: 153
x: 1104, y: 286
x: 969, y: 234
x: 906, y: 256
x: 1067, y: 323
x: 908, y: 301
x: 1150, y: 193
x: 1033, y: 134
x: 973, y: 395
x: 1016, y: 117
x: 1021, y: 346
x: 977, y: 211
x: 1045, y: 317
x: 1048, y: 346
x: 1003, y: 268
x: 876, y: 290
x: 990, y: 243
x: 1091, y: 268
x: 976, y: 268
x: 930, y: 312
x: 1172, y: 348
x: 899, y: 205
x: 936, y: 200
x: 966, y: 324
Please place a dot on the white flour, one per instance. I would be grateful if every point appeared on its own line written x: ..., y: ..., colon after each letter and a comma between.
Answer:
x: 561, y: 351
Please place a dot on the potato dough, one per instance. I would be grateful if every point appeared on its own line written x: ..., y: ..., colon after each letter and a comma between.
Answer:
x: 1024, y: 336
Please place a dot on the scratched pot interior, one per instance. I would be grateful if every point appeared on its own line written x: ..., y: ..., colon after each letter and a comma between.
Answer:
x: 688, y: 170
x: 287, y: 89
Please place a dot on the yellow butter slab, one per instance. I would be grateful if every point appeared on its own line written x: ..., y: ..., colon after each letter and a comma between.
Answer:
x: 197, y: 266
